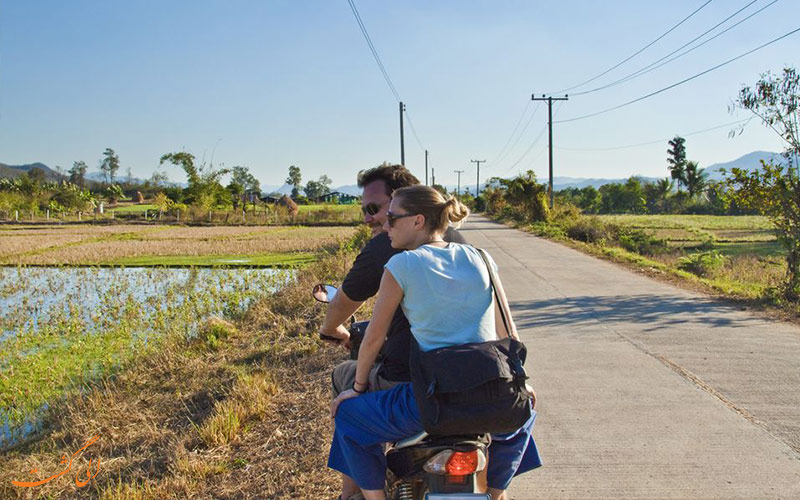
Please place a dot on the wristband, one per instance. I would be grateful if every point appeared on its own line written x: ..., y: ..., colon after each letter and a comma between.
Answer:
x: 365, y: 386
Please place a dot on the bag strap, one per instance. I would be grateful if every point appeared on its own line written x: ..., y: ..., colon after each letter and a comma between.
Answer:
x: 493, y: 279
x: 516, y: 364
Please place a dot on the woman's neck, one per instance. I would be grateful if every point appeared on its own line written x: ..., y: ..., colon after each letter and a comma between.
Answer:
x: 428, y: 238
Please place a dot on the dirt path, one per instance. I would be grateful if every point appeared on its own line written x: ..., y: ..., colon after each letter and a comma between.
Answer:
x: 646, y: 390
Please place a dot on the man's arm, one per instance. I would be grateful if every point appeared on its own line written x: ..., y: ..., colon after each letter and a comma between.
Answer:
x: 339, y: 310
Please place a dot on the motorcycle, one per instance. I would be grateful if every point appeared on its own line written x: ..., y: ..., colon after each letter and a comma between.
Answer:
x: 425, y: 467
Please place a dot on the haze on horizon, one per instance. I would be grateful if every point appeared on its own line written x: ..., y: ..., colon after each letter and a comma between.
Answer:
x: 271, y: 84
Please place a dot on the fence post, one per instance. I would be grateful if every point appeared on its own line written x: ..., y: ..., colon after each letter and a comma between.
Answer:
x: 79, y: 216
x: 48, y: 214
x: 16, y: 215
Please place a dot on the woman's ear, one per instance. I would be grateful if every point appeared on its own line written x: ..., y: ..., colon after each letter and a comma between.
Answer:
x: 419, y: 221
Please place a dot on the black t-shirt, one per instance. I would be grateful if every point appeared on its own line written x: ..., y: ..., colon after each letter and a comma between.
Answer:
x: 363, y: 281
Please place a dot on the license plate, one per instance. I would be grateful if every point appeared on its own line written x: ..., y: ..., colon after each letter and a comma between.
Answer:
x: 458, y: 496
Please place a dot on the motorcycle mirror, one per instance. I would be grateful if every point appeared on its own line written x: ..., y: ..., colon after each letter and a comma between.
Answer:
x: 324, y: 293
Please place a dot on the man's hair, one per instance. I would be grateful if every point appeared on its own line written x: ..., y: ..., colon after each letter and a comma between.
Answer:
x: 395, y: 177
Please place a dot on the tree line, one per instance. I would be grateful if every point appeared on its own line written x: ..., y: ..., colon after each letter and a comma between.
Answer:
x: 32, y: 193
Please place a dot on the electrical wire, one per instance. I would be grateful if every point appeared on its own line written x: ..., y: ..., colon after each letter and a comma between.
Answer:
x: 685, y: 80
x: 373, y: 50
x: 655, y: 65
x: 634, y: 54
x: 536, y: 140
x: 522, y: 132
x: 413, y: 130
x: 658, y: 141
x: 503, y: 149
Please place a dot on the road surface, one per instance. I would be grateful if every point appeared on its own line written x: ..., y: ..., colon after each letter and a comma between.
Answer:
x: 646, y: 390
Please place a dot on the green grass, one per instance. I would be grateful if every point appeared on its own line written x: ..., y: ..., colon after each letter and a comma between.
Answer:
x: 133, y: 209
x: 332, y: 208
x: 706, y: 222
x: 259, y: 260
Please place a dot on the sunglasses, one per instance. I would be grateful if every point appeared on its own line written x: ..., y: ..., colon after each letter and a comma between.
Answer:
x: 391, y: 218
x: 371, y: 208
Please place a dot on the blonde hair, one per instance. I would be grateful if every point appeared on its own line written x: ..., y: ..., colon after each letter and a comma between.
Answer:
x: 439, y: 211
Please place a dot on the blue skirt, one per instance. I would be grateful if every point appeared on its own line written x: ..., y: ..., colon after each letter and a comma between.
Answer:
x: 364, y: 423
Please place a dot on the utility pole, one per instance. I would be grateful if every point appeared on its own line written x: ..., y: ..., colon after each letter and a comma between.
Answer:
x: 478, y: 185
x: 550, y: 134
x: 433, y: 176
x: 426, y: 168
x: 458, y: 189
x: 402, y: 141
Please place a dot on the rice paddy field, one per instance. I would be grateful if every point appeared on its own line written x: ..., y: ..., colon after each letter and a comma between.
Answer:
x: 753, y: 260
x: 78, y: 302
x: 153, y: 245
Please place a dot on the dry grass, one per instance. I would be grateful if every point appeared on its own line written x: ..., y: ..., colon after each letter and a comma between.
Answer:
x: 247, y: 419
x: 74, y: 245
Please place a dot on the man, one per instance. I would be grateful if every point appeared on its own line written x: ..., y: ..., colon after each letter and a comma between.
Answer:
x: 363, y: 281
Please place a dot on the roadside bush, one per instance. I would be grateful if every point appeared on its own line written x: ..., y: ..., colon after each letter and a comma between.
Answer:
x: 588, y: 230
x: 702, y: 264
x: 638, y: 241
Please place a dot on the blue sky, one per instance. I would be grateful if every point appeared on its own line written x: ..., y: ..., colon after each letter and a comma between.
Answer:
x: 268, y: 84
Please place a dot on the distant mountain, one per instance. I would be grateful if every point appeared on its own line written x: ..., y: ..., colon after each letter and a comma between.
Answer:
x: 351, y: 189
x: 749, y: 162
x: 14, y: 171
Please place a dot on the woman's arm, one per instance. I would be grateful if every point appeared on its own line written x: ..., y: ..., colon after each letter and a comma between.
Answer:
x: 389, y: 297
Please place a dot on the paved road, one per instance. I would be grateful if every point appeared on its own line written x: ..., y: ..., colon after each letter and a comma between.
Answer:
x: 646, y: 390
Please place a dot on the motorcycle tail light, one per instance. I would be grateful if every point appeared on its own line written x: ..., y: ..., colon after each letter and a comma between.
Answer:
x: 456, y: 463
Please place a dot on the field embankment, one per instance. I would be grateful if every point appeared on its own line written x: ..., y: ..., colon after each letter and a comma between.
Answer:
x: 237, y: 409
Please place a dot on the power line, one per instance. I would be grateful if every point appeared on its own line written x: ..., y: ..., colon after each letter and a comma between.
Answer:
x: 655, y: 65
x: 414, y: 131
x: 658, y: 141
x: 509, y: 150
x: 635, y: 53
x: 503, y: 149
x: 680, y: 82
x: 373, y: 50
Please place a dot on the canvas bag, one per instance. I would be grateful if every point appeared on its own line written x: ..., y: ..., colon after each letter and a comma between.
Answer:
x: 472, y: 388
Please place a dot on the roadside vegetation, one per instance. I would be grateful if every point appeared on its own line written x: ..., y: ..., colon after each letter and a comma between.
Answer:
x: 737, y: 237
x: 227, y: 408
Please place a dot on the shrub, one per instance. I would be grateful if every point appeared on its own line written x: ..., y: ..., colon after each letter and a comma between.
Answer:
x: 702, y: 264
x: 588, y: 230
x: 638, y: 241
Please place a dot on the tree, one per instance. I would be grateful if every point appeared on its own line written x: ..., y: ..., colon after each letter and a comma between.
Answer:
x: 775, y: 189
x: 676, y: 161
x: 294, y: 179
x: 204, y: 189
x: 528, y: 196
x: 77, y: 173
x: 242, y: 183
x: 657, y: 195
x: 694, y: 178
x: 109, y: 165
x: 317, y: 189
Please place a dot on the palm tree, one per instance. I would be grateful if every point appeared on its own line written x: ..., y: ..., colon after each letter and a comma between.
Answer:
x: 695, y: 178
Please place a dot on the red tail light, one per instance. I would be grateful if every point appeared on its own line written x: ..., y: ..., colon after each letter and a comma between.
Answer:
x: 462, y: 463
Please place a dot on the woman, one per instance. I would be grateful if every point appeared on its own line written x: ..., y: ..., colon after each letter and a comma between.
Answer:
x: 445, y: 292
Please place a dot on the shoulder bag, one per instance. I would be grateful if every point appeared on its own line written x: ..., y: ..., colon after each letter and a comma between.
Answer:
x: 473, y: 388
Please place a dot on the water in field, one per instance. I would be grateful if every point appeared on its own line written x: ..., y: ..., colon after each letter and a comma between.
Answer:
x: 109, y: 312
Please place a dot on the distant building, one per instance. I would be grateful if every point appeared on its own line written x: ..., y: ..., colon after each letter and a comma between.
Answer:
x: 339, y: 198
x: 271, y: 198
